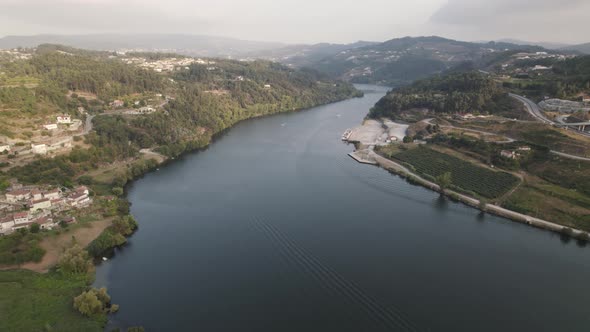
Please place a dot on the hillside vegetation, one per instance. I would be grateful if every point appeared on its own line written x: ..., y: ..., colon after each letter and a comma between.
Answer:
x: 455, y: 93
x: 401, y: 61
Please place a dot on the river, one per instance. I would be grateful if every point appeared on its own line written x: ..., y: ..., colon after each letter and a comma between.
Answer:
x: 275, y: 228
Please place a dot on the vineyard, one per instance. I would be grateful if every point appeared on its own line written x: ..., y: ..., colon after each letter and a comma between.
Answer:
x: 464, y: 175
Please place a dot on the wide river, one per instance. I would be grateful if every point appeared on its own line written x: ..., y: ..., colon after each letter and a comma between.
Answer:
x: 275, y: 228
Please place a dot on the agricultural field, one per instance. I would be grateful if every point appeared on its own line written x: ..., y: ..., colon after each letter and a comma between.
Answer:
x: 541, y: 199
x: 465, y: 176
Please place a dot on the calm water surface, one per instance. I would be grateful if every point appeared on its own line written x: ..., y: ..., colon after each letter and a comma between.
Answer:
x: 275, y: 228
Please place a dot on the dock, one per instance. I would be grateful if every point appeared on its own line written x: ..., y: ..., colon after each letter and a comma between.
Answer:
x: 362, y: 156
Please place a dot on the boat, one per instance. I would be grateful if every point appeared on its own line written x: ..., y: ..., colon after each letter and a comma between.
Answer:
x: 105, y: 259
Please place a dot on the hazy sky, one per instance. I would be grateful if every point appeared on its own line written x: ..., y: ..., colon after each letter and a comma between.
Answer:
x: 306, y: 20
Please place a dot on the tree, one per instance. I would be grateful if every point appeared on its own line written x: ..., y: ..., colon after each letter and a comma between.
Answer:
x: 483, y: 204
x: 75, y: 260
x: 94, y: 301
x: 35, y: 228
x: 88, y: 303
x: 408, y: 139
x: 118, y: 191
x: 444, y: 181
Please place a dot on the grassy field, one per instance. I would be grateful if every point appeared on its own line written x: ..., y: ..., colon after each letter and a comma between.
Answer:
x: 567, y: 173
x: 465, y: 176
x: 41, y: 302
x: 544, y: 200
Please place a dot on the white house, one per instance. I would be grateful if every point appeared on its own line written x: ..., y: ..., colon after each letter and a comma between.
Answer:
x: 20, y: 218
x: 17, y: 195
x: 82, y: 189
x: 41, y: 204
x: 52, y: 194
x: 36, y: 194
x: 6, y: 224
x: 64, y: 119
x: 4, y: 147
x: 508, y: 154
x: 79, y: 199
x: 51, y: 126
x: 39, y: 148
x: 267, y: 86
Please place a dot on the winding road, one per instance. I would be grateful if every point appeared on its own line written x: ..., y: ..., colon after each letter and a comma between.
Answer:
x: 536, y: 112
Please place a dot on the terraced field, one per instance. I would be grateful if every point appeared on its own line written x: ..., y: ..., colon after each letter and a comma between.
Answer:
x: 464, y: 175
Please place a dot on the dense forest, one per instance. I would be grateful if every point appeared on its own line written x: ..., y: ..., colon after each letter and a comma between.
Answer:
x: 453, y: 93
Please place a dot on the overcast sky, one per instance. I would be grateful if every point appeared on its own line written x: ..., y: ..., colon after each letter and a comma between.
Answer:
x: 307, y: 21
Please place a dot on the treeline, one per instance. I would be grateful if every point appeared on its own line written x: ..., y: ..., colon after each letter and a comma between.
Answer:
x: 454, y: 93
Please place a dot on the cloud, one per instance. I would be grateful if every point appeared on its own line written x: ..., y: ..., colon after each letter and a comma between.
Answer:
x: 82, y: 16
x: 276, y: 20
x: 538, y: 19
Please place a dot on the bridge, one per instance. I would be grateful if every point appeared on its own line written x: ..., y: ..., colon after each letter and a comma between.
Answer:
x: 581, y: 126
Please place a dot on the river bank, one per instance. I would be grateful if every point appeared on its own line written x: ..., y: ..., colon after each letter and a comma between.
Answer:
x: 376, y: 133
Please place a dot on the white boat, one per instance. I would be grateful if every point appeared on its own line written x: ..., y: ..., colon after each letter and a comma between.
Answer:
x: 105, y: 259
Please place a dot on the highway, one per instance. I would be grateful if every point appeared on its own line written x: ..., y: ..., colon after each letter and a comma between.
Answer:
x: 532, y: 108
x: 535, y: 111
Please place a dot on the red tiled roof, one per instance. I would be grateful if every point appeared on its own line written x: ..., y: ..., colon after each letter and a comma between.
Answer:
x: 18, y: 192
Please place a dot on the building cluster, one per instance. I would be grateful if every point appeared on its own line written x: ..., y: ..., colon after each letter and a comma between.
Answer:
x: 24, y: 206
x: 565, y: 106
x: 539, y: 55
x: 166, y: 65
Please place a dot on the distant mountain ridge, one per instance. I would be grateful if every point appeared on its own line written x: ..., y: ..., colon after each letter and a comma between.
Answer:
x: 582, y: 48
x: 547, y: 45
x: 196, y: 45
x: 302, y: 55
x: 403, y: 60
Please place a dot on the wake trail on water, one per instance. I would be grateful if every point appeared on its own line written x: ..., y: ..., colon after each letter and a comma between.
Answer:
x: 329, y: 279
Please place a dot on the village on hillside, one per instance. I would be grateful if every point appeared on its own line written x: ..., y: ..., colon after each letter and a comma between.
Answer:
x: 40, y: 207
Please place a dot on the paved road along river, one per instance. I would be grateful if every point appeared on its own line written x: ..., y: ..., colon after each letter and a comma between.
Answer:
x: 275, y: 228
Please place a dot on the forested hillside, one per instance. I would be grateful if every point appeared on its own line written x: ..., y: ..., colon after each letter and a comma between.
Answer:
x: 192, y: 103
x: 401, y: 61
x: 454, y: 93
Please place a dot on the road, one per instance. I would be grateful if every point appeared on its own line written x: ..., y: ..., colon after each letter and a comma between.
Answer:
x: 87, y: 125
x: 532, y: 108
x: 535, y: 111
x: 510, y: 140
